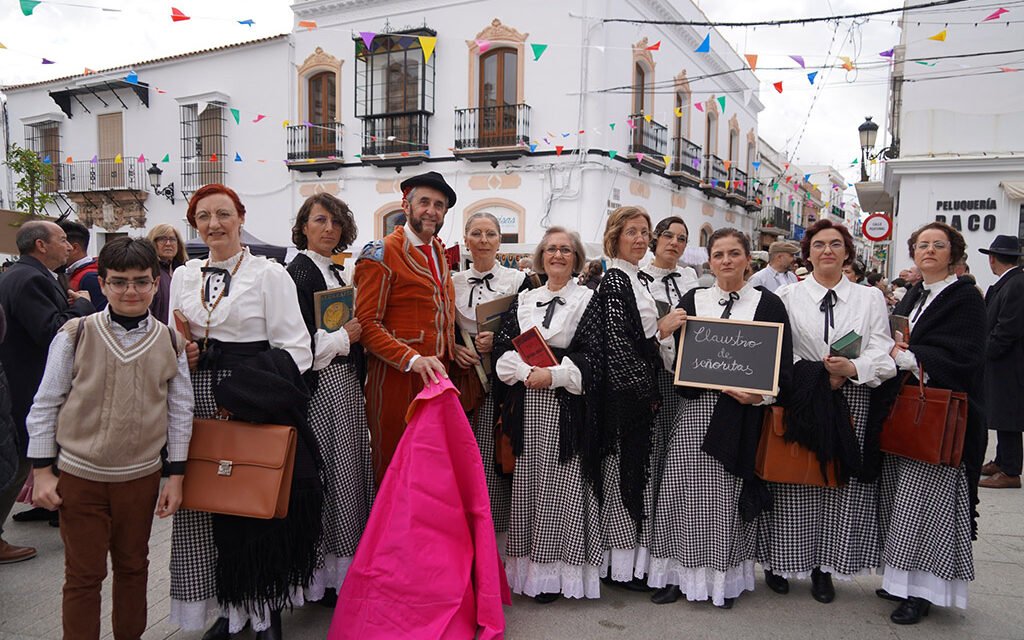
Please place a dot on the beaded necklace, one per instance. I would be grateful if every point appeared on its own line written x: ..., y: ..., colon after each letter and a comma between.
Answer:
x: 202, y: 296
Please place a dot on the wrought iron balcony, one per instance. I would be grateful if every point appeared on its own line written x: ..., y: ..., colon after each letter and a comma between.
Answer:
x: 686, y: 158
x: 501, y: 126
x: 714, y: 171
x: 778, y: 219
x: 648, y: 138
x: 101, y: 175
x: 395, y: 134
x: 738, y: 183
x: 315, y: 141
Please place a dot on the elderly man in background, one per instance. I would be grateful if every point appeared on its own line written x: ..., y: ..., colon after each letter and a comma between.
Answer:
x: 36, y: 308
x: 781, y: 254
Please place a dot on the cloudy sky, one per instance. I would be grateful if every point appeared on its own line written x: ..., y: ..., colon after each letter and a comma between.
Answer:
x: 815, y: 124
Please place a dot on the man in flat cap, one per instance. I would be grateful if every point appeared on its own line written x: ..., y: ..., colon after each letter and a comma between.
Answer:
x: 405, y: 302
x: 777, y: 272
x: 1004, y: 363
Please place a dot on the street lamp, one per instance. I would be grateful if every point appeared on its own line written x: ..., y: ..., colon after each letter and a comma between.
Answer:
x: 868, y: 133
x: 154, y: 181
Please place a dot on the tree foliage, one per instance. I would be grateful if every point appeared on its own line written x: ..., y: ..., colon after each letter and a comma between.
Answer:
x: 30, y: 192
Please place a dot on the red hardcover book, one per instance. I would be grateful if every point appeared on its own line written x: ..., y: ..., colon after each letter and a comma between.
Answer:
x: 533, y: 349
x: 181, y: 324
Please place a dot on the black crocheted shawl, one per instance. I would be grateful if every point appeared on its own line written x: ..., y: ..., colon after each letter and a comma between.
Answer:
x: 577, y: 416
x: 628, y: 398
x: 735, y: 429
x: 949, y: 341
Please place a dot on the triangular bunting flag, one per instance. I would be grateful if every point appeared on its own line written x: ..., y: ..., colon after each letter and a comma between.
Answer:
x: 132, y: 78
x: 655, y: 47
x: 679, y: 112
x: 705, y: 47
x: 213, y: 157
x: 284, y: 124
x: 855, y: 161
x: 756, y: 165
x: 1008, y: 69
x: 939, y: 37
x: 778, y: 86
x: 728, y: 164
x: 308, y: 24
x: 259, y: 116
x: 483, y: 45
x: 87, y: 71
x: 612, y: 153
x: 807, y: 177
x: 799, y: 60
x: 629, y: 122
x: 47, y: 160
x: 538, y: 50
x: 427, y: 43
x: 94, y: 160
x: 640, y: 157
x: 28, y: 6
x: 751, y: 60
x: 426, y: 152
x: 648, y: 117
x: 142, y: 159
x: 238, y: 157
x: 888, y: 54
x: 118, y: 159
x: 699, y: 106
x: 811, y: 76
x: 248, y: 22
x: 166, y: 158
x: 721, y: 103
x: 667, y: 159
x: 68, y: 160
x: 995, y: 15
x: 533, y: 147
x: 558, y: 149
x: 45, y: 61
x: 237, y: 115
x: 611, y: 125
x: 178, y: 16
x: 847, y: 63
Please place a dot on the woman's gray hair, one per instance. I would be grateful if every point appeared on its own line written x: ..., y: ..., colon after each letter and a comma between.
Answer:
x: 577, y: 248
x: 483, y: 214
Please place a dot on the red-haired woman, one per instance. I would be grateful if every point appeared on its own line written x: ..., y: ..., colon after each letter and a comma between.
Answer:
x: 244, y: 312
x: 814, y: 531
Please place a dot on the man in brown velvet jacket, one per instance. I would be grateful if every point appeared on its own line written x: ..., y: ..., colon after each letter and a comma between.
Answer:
x: 405, y: 303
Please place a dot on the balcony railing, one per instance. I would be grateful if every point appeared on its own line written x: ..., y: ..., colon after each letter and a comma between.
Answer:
x: 738, y: 182
x: 505, y: 125
x: 102, y: 175
x: 780, y: 219
x: 714, y: 169
x: 315, y: 140
x: 649, y: 138
x: 396, y: 133
x: 686, y: 157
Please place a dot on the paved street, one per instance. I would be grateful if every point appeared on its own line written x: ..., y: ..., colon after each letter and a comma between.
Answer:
x: 30, y: 600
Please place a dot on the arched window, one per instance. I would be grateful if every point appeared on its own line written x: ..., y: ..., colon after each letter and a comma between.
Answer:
x: 734, y: 146
x: 392, y: 220
x: 639, y: 88
x: 705, y: 235
x: 323, y: 109
x: 498, y: 96
x: 711, y: 133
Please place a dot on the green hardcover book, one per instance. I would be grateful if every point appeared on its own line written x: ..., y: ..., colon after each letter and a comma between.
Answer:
x: 334, y: 308
x: 847, y: 346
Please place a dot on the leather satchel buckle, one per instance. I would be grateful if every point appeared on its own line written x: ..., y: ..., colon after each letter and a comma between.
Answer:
x: 224, y: 468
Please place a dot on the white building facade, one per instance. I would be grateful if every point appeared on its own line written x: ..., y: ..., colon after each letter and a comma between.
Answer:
x: 958, y: 123
x: 603, y: 116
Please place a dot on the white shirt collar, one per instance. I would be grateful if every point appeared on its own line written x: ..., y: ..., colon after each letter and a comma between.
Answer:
x: 479, y: 274
x: 658, y: 272
x: 627, y: 266
x: 716, y: 290
x: 935, y: 287
x: 818, y: 291
x: 564, y: 292
x: 230, y: 262
x: 317, y: 258
x: 81, y: 262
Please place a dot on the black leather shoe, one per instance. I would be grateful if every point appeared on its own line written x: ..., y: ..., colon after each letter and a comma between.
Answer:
x: 776, y: 583
x: 330, y: 598
x: 666, y: 595
x: 885, y: 595
x: 273, y: 632
x: 911, y: 611
x: 219, y: 630
x: 821, y: 586
x: 546, y: 598
x: 37, y: 514
x: 636, y: 584
x: 727, y: 604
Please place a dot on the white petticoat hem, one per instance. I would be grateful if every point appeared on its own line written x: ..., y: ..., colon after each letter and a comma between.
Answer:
x: 195, y: 616
x: 625, y: 564
x: 921, y: 584
x: 534, y: 578
x: 329, y: 576
x: 806, y: 575
x: 702, y: 583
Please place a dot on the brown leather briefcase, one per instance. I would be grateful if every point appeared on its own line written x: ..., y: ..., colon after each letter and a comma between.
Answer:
x: 926, y: 424
x: 239, y: 468
x: 788, y: 462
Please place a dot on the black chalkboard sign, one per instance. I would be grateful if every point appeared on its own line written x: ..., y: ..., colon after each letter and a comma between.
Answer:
x: 730, y: 354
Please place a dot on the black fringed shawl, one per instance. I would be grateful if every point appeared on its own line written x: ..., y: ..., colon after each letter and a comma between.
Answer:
x: 576, y: 413
x: 628, y: 398
x: 260, y: 561
x: 949, y: 341
x: 735, y: 429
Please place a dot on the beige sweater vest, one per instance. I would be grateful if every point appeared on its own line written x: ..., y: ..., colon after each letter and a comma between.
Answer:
x: 114, y: 421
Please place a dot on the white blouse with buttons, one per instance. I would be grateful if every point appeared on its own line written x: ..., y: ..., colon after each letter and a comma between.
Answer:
x: 510, y: 366
x: 662, y: 288
x: 502, y: 282
x: 329, y: 345
x: 857, y: 308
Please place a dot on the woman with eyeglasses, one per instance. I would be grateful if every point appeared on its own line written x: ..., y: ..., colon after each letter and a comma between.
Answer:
x: 170, y: 248
x: 704, y: 526
x: 820, y: 531
x: 635, y: 343
x: 485, y: 280
x: 244, y: 312
x: 928, y: 511
x: 324, y: 226
x: 554, y: 542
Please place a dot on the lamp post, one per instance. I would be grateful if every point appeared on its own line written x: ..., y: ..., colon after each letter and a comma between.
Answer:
x: 154, y: 181
x: 868, y: 131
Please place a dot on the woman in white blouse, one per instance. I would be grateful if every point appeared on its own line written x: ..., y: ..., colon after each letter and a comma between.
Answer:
x: 554, y: 544
x: 323, y: 228
x: 927, y: 510
x: 484, y: 281
x: 237, y: 306
x: 635, y: 344
x: 704, y: 527
x: 819, y: 531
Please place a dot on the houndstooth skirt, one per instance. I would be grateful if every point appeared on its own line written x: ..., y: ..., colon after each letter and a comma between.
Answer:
x: 194, y: 555
x: 660, y: 435
x: 499, y: 486
x: 699, y: 541
x: 926, y: 528
x: 337, y: 417
x: 554, y: 540
x: 836, y: 529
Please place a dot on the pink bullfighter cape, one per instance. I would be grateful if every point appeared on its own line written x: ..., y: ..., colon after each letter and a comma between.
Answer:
x: 428, y: 565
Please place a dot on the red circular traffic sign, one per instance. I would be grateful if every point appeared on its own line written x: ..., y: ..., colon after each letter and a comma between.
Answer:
x: 877, y: 227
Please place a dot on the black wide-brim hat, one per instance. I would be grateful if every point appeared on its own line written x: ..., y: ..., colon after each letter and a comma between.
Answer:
x: 433, y: 180
x: 1004, y: 246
